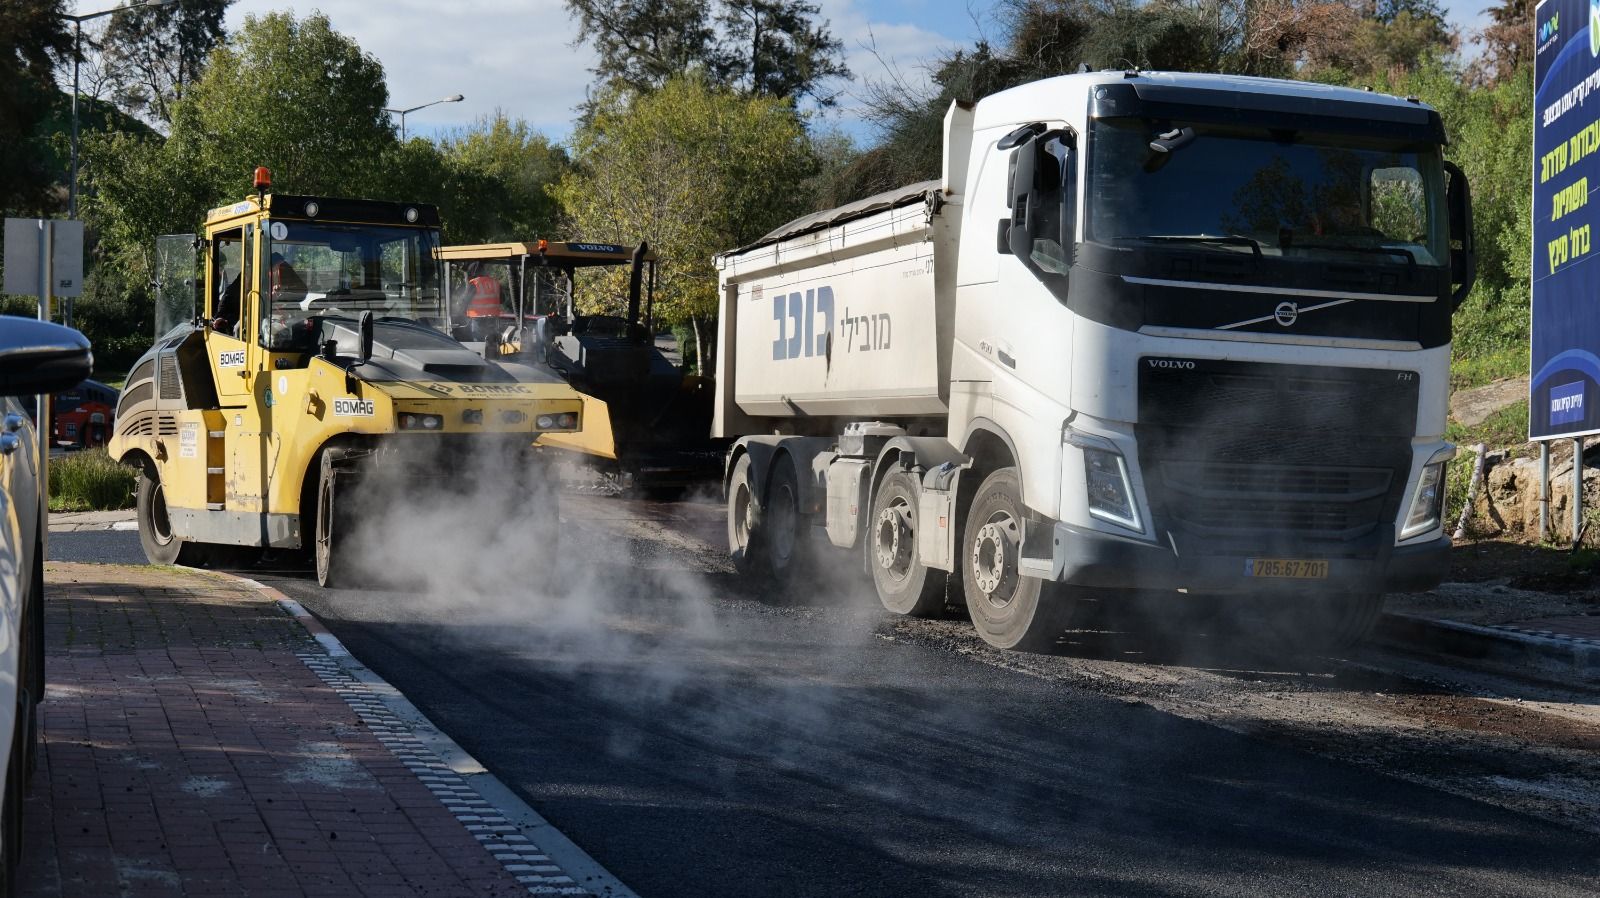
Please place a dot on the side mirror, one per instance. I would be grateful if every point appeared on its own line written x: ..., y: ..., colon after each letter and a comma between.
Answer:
x: 1024, y: 199
x: 364, y: 327
x: 1463, y: 260
x: 41, y: 357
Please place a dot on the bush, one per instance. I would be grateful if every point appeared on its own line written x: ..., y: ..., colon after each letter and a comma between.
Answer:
x: 90, y: 481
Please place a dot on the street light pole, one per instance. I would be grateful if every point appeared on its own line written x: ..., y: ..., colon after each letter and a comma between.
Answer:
x: 403, y: 112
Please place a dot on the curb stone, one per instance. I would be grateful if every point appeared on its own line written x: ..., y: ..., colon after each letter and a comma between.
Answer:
x: 529, y: 847
x: 1530, y: 651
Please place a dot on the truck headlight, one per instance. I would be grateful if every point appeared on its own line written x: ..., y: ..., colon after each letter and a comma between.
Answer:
x: 1105, y: 478
x: 1427, y: 503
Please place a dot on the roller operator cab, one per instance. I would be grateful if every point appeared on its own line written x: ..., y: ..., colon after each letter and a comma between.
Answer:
x: 303, y: 377
x: 1173, y: 334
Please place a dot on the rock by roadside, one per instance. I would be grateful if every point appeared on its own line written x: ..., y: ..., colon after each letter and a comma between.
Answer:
x: 1473, y: 407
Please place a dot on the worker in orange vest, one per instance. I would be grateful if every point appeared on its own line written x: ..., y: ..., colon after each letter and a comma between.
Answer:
x: 483, y: 302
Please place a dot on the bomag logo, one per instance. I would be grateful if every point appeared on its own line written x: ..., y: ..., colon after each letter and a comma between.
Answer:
x: 233, y: 358
x: 353, y: 408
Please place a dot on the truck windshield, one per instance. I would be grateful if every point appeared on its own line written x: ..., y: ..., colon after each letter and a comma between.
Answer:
x: 1277, y: 193
x: 341, y: 270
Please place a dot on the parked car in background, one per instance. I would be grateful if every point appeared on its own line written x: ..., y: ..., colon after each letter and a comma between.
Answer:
x: 35, y: 357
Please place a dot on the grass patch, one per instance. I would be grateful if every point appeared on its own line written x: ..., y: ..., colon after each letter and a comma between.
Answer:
x: 1506, y: 428
x: 90, y: 481
x: 1476, y: 369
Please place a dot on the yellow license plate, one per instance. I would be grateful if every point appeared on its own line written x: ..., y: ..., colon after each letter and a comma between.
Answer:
x: 1286, y: 568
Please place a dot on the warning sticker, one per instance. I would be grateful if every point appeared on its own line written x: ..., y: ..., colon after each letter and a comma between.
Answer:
x: 189, y: 441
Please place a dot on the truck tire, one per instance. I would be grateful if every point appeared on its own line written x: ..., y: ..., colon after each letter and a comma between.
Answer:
x: 905, y: 585
x: 744, y: 519
x: 1302, y: 624
x: 160, y: 544
x: 334, y: 529
x: 786, y: 537
x: 1008, y: 610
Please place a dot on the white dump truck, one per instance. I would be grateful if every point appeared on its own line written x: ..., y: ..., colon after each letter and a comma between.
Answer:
x: 1148, y: 332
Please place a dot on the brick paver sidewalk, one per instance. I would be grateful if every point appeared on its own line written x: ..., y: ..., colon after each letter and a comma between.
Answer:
x: 189, y: 751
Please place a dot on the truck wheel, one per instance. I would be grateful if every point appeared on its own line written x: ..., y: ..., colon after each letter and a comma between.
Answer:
x: 160, y: 544
x: 334, y: 525
x: 905, y: 585
x: 787, y: 533
x: 1010, y: 611
x: 744, y: 519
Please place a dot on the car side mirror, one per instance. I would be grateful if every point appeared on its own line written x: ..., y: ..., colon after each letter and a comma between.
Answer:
x: 41, y: 357
x: 364, y: 328
x: 1463, y: 258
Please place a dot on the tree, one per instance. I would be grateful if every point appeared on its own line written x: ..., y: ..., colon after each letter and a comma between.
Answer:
x: 642, y: 43
x: 693, y: 168
x: 1508, y: 42
x: 151, y: 54
x: 774, y: 48
x: 293, y: 95
x: 32, y: 37
x: 503, y: 171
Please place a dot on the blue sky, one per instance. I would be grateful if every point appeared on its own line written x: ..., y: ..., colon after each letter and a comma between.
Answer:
x: 518, y: 55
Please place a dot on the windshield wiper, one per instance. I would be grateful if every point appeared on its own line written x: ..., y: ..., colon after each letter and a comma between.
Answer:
x: 1411, y: 257
x: 1225, y: 239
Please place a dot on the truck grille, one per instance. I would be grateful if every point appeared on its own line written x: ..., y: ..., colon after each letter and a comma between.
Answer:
x: 1246, y: 458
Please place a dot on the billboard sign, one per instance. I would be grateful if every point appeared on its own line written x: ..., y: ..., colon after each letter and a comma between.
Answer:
x: 1564, y: 389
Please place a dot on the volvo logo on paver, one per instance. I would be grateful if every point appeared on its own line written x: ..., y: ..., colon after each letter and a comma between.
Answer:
x: 353, y: 408
x: 1286, y: 313
x: 233, y: 358
x: 1170, y: 363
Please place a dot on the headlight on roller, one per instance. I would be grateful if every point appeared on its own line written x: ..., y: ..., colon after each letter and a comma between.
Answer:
x: 545, y: 422
x: 413, y: 421
x: 1427, y: 503
x: 1105, y: 477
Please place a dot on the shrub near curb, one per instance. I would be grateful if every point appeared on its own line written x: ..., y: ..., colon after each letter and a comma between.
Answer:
x: 90, y: 481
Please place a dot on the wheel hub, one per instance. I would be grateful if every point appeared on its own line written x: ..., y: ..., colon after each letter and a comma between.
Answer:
x: 892, y: 545
x: 994, y: 559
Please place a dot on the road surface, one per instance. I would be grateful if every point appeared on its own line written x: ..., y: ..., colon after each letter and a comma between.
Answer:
x: 699, y: 738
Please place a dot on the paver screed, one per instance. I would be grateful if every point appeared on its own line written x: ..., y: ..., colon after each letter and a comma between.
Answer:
x: 187, y: 750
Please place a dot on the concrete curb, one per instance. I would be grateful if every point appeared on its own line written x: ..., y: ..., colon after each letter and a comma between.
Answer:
x: 587, y: 876
x: 1567, y: 657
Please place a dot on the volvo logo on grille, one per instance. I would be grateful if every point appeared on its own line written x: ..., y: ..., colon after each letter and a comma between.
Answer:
x: 1286, y: 313
x: 1170, y: 363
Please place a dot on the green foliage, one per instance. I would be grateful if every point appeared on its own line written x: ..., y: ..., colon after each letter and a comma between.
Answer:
x: 152, y: 53
x: 90, y: 481
x: 501, y: 171
x: 694, y: 169
x: 32, y: 36
x: 770, y: 48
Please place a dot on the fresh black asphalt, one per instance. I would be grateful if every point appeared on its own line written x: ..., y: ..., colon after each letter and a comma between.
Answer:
x: 697, y: 741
